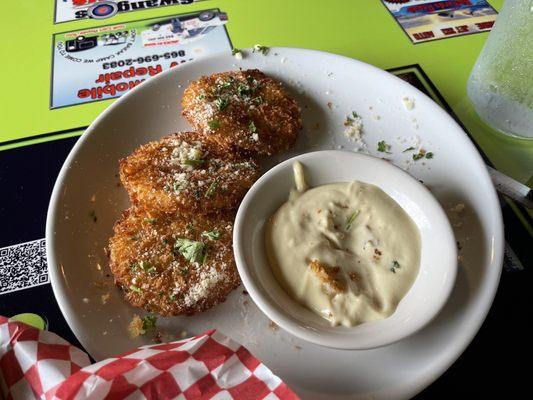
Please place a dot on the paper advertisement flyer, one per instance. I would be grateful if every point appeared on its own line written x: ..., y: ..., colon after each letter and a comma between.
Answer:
x: 107, y: 61
x: 424, y: 20
x: 72, y: 10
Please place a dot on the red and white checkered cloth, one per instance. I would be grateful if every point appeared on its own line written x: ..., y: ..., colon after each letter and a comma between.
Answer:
x: 40, y: 364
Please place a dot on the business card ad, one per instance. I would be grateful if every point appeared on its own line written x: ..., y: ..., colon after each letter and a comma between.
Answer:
x: 73, y: 10
x: 424, y: 21
x: 107, y: 61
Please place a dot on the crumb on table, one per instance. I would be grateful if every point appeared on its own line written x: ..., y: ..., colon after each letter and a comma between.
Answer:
x: 135, y: 327
x: 458, y: 208
x: 105, y: 298
x: 408, y: 103
x: 273, y: 326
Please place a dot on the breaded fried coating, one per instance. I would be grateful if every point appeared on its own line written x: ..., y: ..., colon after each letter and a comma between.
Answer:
x: 171, y: 265
x: 180, y: 173
x: 327, y: 275
x: 244, y: 110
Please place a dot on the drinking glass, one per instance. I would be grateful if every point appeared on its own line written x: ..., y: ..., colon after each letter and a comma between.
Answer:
x: 501, y: 83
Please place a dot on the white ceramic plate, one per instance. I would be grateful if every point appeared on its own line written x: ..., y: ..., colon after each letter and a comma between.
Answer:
x: 455, y: 175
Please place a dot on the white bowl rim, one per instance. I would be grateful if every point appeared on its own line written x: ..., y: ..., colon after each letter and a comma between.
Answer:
x: 316, y: 337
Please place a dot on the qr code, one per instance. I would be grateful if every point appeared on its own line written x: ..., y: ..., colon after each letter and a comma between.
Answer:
x: 23, y: 266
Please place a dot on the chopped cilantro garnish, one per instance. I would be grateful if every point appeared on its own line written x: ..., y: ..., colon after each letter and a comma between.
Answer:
x: 172, y: 297
x: 261, y: 49
x: 193, y: 162
x: 145, y: 265
x: 351, y: 218
x: 213, y: 235
x: 395, y: 265
x: 245, y: 164
x: 243, y: 89
x: 92, y: 215
x: 257, y: 100
x: 211, y: 189
x: 214, y: 124
x: 149, y: 322
x: 135, y: 289
x: 190, y: 250
x: 383, y: 147
x: 223, y: 85
x: 151, y: 220
x: 133, y: 238
x: 252, y: 127
x: 184, y: 272
x: 221, y: 103
x: 179, y: 186
x: 422, y: 154
x: 349, y: 121
x: 408, y: 149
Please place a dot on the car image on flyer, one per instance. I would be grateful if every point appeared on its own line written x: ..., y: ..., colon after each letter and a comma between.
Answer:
x: 184, y: 29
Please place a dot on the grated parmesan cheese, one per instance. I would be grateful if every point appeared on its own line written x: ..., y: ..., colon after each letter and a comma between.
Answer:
x: 354, y: 131
x: 207, y: 280
x: 185, y: 152
x: 408, y: 103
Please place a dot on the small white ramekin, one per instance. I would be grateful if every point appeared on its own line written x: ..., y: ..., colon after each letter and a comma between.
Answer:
x: 438, y: 265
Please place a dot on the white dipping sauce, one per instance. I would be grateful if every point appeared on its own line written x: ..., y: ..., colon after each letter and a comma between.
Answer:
x: 346, y: 251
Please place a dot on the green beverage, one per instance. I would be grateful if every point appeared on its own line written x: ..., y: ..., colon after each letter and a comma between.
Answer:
x: 501, y: 83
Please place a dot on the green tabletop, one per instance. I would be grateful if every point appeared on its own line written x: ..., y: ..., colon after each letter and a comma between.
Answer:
x: 360, y: 29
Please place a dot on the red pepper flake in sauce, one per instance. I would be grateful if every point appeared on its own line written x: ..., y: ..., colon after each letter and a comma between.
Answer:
x: 377, y: 255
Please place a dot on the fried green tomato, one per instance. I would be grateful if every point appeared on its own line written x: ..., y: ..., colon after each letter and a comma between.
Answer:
x: 173, y: 266
x: 182, y: 174
x: 245, y: 110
